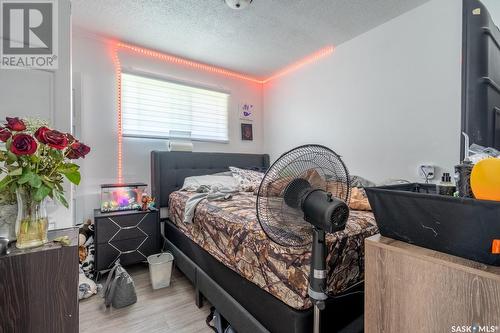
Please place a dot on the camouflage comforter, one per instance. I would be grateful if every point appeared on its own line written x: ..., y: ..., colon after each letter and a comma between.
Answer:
x: 230, y: 232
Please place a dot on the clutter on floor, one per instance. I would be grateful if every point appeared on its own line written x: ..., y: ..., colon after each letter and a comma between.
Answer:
x: 86, y: 286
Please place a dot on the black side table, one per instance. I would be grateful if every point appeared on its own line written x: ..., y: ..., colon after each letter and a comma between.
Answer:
x: 130, y: 236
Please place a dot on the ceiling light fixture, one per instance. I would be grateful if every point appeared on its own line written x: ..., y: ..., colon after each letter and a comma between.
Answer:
x: 238, y: 4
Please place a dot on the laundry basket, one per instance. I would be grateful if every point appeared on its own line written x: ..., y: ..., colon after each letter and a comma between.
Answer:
x: 160, y: 269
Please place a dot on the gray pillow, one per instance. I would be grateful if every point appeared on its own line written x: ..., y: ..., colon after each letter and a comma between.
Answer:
x: 194, y: 183
x: 358, y: 181
x: 248, y: 180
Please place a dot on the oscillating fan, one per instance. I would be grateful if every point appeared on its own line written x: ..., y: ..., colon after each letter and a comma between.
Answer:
x: 302, y: 196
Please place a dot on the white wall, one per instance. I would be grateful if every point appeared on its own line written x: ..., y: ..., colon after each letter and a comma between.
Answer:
x: 493, y: 7
x: 44, y: 94
x: 386, y: 100
x: 98, y: 128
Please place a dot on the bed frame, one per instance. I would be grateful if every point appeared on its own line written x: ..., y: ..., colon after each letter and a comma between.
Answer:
x: 245, y: 305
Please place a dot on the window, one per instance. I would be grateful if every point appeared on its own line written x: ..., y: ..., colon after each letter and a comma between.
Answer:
x: 151, y: 108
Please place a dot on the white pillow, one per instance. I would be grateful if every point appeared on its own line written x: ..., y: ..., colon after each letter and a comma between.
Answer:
x: 223, y: 173
x: 248, y: 180
x: 194, y: 183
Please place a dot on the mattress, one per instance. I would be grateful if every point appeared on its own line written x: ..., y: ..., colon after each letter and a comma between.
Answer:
x: 230, y: 232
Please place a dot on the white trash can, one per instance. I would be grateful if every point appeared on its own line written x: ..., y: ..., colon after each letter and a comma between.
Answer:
x: 160, y: 269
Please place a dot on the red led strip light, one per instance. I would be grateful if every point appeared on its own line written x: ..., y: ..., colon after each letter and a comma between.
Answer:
x: 213, y: 69
x: 301, y: 63
x: 186, y: 62
x: 118, y: 73
x: 117, y: 46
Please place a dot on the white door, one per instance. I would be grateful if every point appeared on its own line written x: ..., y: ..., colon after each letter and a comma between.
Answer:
x: 44, y: 94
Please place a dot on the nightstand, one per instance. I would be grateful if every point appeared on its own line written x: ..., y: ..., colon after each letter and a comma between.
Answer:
x: 130, y: 236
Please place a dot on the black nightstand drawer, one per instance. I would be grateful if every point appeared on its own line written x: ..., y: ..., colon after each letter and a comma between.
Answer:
x: 130, y: 236
x: 129, y: 251
x: 120, y: 227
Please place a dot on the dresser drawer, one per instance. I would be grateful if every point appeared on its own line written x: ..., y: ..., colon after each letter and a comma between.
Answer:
x: 129, y: 251
x: 123, y: 227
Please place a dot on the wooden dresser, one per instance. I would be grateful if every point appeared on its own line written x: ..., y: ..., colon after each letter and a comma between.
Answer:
x: 413, y: 289
x: 39, y: 287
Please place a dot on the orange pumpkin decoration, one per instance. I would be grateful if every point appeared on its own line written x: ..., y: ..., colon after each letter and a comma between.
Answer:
x: 485, y: 179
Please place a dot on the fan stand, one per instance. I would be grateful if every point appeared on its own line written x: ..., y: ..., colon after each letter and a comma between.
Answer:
x: 317, y: 276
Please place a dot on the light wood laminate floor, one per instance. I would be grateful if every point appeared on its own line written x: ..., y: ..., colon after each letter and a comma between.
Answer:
x: 166, y: 310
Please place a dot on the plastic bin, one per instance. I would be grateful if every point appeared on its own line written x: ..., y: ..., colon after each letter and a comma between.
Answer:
x: 160, y: 269
x: 415, y: 214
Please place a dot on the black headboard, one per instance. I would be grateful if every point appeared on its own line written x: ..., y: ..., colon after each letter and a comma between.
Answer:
x: 169, y: 168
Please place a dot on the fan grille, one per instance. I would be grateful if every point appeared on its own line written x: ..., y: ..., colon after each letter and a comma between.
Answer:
x: 322, y: 168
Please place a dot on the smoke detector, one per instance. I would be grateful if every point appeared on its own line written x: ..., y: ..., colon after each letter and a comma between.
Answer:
x: 238, y: 4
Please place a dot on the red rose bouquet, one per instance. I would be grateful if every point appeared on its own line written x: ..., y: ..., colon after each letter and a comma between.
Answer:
x: 34, y: 161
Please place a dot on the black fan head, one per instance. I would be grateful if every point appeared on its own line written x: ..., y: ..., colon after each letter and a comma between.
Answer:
x: 295, y: 173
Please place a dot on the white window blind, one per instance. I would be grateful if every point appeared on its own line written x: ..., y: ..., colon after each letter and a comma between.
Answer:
x: 152, y: 108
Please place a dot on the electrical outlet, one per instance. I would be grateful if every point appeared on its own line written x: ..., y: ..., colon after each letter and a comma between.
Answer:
x: 426, y: 171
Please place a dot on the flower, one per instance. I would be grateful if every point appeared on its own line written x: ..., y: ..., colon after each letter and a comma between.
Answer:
x: 71, y: 138
x: 42, y: 161
x: 32, y: 124
x: 5, y: 134
x: 77, y: 150
x: 55, y: 139
x: 23, y: 144
x: 40, y: 134
x: 15, y: 124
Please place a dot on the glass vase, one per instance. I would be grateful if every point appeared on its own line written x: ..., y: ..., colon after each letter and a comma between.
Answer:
x: 8, y: 214
x: 32, y: 222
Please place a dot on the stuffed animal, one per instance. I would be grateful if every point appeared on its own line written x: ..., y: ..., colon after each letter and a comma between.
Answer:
x: 86, y: 287
x: 88, y: 263
x: 85, y: 233
x: 148, y: 202
x: 82, y: 250
x: 86, y: 248
x: 87, y: 229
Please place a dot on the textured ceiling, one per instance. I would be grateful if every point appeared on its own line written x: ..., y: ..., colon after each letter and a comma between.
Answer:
x: 259, y: 40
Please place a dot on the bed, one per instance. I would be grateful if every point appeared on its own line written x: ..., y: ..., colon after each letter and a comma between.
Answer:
x: 227, y: 256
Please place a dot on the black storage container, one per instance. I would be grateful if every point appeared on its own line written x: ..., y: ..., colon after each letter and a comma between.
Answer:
x: 415, y: 214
